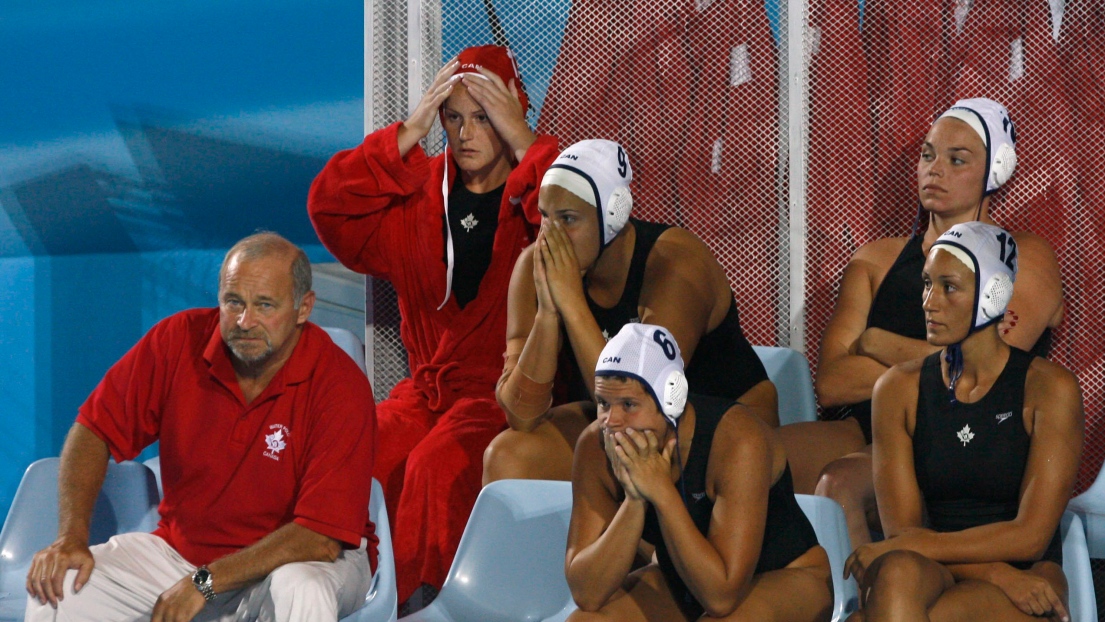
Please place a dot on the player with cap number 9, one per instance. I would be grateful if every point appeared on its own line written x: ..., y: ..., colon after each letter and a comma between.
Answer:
x: 702, y: 479
x: 592, y: 270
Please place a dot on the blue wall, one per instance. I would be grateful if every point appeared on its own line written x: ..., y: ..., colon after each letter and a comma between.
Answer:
x: 138, y: 140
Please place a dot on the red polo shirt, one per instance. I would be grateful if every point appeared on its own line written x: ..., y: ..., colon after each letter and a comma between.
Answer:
x: 233, y: 473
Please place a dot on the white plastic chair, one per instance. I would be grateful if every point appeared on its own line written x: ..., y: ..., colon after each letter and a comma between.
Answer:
x: 1076, y: 566
x: 828, y: 522
x: 509, y: 566
x: 154, y: 465
x: 1090, y: 507
x: 382, y: 600
x: 127, y: 502
x: 349, y: 342
x: 790, y: 373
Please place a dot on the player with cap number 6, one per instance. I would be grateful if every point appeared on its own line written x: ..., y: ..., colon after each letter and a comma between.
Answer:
x: 445, y: 231
x: 975, y: 455
x: 593, y: 270
x: 705, y: 481
x: 968, y: 154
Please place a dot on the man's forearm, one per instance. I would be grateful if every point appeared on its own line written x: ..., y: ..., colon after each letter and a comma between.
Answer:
x: 80, y: 477
x: 288, y: 544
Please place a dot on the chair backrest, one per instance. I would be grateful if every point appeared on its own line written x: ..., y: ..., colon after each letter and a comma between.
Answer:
x: 127, y: 502
x: 828, y: 522
x: 154, y: 465
x: 1090, y: 507
x: 382, y: 600
x: 790, y: 373
x: 509, y: 566
x: 349, y: 342
x: 1076, y: 566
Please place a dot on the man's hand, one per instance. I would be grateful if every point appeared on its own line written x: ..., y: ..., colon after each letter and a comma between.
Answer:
x: 562, y: 269
x: 46, y: 578
x: 1030, y: 592
x: 421, y: 120
x: 503, y: 108
x: 180, y: 603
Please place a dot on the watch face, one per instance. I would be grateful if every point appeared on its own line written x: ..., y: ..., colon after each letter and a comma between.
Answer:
x: 202, y: 576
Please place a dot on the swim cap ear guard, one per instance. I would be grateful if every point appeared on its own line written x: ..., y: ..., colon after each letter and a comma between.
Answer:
x: 597, y: 171
x: 648, y: 354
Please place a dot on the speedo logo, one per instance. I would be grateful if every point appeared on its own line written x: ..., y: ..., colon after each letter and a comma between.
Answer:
x: 612, y: 359
x: 1003, y: 416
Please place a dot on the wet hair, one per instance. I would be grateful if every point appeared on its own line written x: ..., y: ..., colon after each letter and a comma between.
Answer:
x: 269, y: 244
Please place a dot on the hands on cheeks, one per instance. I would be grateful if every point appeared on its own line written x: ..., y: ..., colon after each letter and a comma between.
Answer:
x: 561, y: 268
x: 641, y: 462
x: 179, y: 603
x: 503, y: 108
x: 46, y: 578
x: 545, y: 302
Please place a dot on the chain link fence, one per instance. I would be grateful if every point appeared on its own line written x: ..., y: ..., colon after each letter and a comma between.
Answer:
x: 787, y: 136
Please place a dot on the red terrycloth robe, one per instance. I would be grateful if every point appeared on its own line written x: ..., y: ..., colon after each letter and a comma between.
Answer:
x: 382, y: 215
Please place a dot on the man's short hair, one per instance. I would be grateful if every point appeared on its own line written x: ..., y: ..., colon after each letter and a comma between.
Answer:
x: 268, y: 244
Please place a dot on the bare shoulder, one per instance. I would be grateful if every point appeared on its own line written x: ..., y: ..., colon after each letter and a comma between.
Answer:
x: 740, y: 432
x: 676, y: 245
x: 901, y: 378
x: 1036, y: 253
x: 1049, y: 381
x: 525, y: 259
x: 880, y: 253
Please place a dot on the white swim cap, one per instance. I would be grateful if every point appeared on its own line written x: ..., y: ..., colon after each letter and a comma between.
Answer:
x: 991, y: 253
x: 990, y: 120
x: 648, y: 354
x: 598, y: 172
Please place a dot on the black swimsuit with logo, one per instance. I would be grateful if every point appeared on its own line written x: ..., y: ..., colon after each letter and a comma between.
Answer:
x: 970, y: 458
x: 897, y: 308
x: 788, y: 534
x: 724, y: 363
x: 473, y: 219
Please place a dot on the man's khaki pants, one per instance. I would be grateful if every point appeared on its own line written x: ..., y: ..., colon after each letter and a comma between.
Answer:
x: 133, y: 569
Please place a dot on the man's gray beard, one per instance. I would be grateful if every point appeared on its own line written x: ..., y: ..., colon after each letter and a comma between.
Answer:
x: 256, y: 360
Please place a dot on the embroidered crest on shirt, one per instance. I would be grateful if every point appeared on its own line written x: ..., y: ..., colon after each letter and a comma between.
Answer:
x: 965, y: 435
x: 1003, y: 416
x: 605, y: 335
x: 469, y: 222
x: 276, y: 441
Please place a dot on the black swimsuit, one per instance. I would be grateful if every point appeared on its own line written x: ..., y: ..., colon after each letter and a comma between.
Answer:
x: 724, y: 363
x: 788, y: 534
x: 970, y: 458
x: 897, y: 308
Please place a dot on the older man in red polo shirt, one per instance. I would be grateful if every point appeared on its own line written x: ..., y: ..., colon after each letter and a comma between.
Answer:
x: 267, y: 434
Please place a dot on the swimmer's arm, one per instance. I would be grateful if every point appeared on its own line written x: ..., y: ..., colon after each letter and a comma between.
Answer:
x: 524, y: 390
x: 893, y: 413
x: 844, y: 377
x: 587, y: 341
x: 1048, y: 481
x: 890, y: 349
x: 718, y: 569
x: 1037, y: 295
x: 603, y: 535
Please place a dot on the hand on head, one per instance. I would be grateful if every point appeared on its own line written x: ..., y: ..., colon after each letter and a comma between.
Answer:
x: 503, y: 106
x: 422, y: 119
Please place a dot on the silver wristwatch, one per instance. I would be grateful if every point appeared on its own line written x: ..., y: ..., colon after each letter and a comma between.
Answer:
x: 201, y: 578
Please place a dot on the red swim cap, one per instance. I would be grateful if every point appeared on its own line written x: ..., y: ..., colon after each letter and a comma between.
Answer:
x: 498, y: 60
